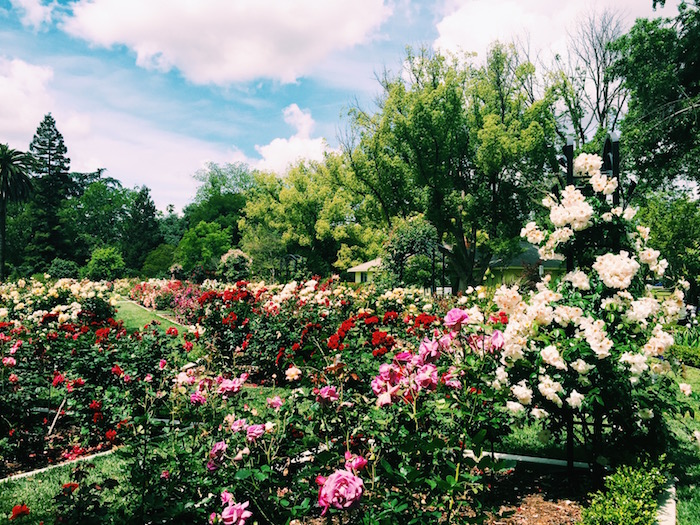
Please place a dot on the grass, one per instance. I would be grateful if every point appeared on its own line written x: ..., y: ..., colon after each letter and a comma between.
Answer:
x: 136, y: 317
x: 38, y: 491
x: 687, y: 488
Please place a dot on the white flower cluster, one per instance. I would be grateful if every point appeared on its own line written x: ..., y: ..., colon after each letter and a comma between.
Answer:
x: 573, y: 210
x: 579, y: 279
x: 616, y: 271
x: 603, y: 184
x: 587, y: 164
x: 532, y: 233
x: 507, y: 299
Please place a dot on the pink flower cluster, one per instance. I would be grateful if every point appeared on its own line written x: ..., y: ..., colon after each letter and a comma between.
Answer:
x: 340, y: 490
x: 409, y: 373
x: 231, y: 386
x: 233, y: 513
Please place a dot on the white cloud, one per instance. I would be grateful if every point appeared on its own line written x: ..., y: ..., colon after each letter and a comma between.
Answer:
x: 24, y: 100
x: 281, y: 152
x: 472, y: 25
x: 34, y: 13
x: 224, y: 41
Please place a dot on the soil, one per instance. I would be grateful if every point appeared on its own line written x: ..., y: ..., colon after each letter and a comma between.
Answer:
x: 537, y: 496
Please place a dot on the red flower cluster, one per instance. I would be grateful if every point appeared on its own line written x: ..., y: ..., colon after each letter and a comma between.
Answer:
x: 19, y: 510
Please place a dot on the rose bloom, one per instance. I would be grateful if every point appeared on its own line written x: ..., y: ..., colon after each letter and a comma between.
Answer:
x: 9, y: 361
x: 341, y: 490
x: 253, y: 432
x: 686, y: 388
x: 455, y: 318
x: 198, y: 399
x: 327, y: 393
x: 275, y: 402
x: 293, y: 373
x: 353, y: 462
x: 235, y: 513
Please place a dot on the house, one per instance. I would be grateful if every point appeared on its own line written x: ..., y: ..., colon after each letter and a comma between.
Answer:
x: 513, y: 270
x: 364, y: 273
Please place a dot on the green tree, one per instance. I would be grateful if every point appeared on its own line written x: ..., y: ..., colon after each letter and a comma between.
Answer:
x: 15, y: 185
x: 159, y: 261
x: 462, y: 142
x: 52, y: 186
x: 172, y: 226
x: 409, y: 250
x: 141, y: 229
x: 105, y: 264
x: 660, y: 65
x: 220, y: 197
x: 97, y: 217
x: 676, y: 234
x: 203, y: 246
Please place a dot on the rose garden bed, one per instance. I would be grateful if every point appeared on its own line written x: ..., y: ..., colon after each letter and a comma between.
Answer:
x: 367, y: 400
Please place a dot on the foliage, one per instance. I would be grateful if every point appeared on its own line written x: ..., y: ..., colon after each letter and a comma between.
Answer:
x: 676, y: 232
x: 234, y: 266
x: 105, y: 264
x: 453, y: 142
x: 141, y: 229
x: 202, y: 246
x: 630, y: 498
x: 659, y: 65
x: 159, y: 261
x: 63, y: 269
x: 408, y: 251
x: 15, y: 185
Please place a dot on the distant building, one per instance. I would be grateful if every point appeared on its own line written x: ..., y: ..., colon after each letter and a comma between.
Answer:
x: 364, y: 273
x: 513, y: 270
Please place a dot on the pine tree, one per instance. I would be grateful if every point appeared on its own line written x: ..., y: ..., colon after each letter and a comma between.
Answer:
x: 142, y: 230
x: 53, y: 185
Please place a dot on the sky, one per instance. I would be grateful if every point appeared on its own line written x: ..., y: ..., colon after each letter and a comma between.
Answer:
x: 152, y: 90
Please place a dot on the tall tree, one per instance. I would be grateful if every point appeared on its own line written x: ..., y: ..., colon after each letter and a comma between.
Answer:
x: 53, y: 185
x: 592, y: 97
x: 463, y: 142
x: 141, y: 229
x: 660, y: 65
x: 15, y: 185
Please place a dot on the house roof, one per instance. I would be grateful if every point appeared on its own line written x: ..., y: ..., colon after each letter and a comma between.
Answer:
x: 366, y: 266
x: 529, y: 256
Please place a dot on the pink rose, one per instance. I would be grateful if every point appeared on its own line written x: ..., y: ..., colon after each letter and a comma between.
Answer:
x: 253, y: 432
x: 226, y: 497
x: 162, y: 364
x: 353, y: 462
x: 238, y: 425
x: 455, y: 318
x: 235, y: 514
x: 497, y: 339
x: 198, y: 399
x: 429, y: 350
x: 341, y: 490
x: 327, y: 393
x: 9, y: 361
x: 275, y: 402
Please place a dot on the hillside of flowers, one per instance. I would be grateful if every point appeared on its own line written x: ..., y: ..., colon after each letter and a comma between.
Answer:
x: 285, y: 403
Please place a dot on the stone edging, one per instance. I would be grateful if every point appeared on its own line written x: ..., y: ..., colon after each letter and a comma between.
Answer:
x: 51, y: 467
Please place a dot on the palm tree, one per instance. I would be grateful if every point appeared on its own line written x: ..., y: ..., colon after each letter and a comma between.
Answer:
x: 15, y: 185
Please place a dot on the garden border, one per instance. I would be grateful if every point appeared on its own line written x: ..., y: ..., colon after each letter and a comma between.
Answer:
x: 31, y: 473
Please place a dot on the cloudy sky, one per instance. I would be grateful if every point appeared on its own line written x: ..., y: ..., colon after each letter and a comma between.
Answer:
x: 151, y: 90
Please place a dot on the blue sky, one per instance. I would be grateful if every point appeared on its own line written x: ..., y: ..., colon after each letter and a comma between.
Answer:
x: 151, y: 90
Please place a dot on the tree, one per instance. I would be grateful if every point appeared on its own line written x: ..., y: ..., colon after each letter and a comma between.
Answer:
x: 408, y: 252
x: 202, y: 246
x: 141, y: 229
x: 676, y: 233
x: 15, y: 185
x: 53, y: 185
x: 659, y: 62
x: 97, y: 217
x: 105, y: 264
x: 592, y: 97
x: 462, y: 142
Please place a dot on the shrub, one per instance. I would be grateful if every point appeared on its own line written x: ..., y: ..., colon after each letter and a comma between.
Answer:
x: 234, y: 266
x: 688, y: 355
x: 105, y: 264
x: 158, y: 262
x: 63, y: 269
x: 630, y: 498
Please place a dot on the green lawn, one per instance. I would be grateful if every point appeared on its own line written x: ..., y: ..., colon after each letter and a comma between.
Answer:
x: 136, y: 317
x: 38, y: 491
x: 688, y: 488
